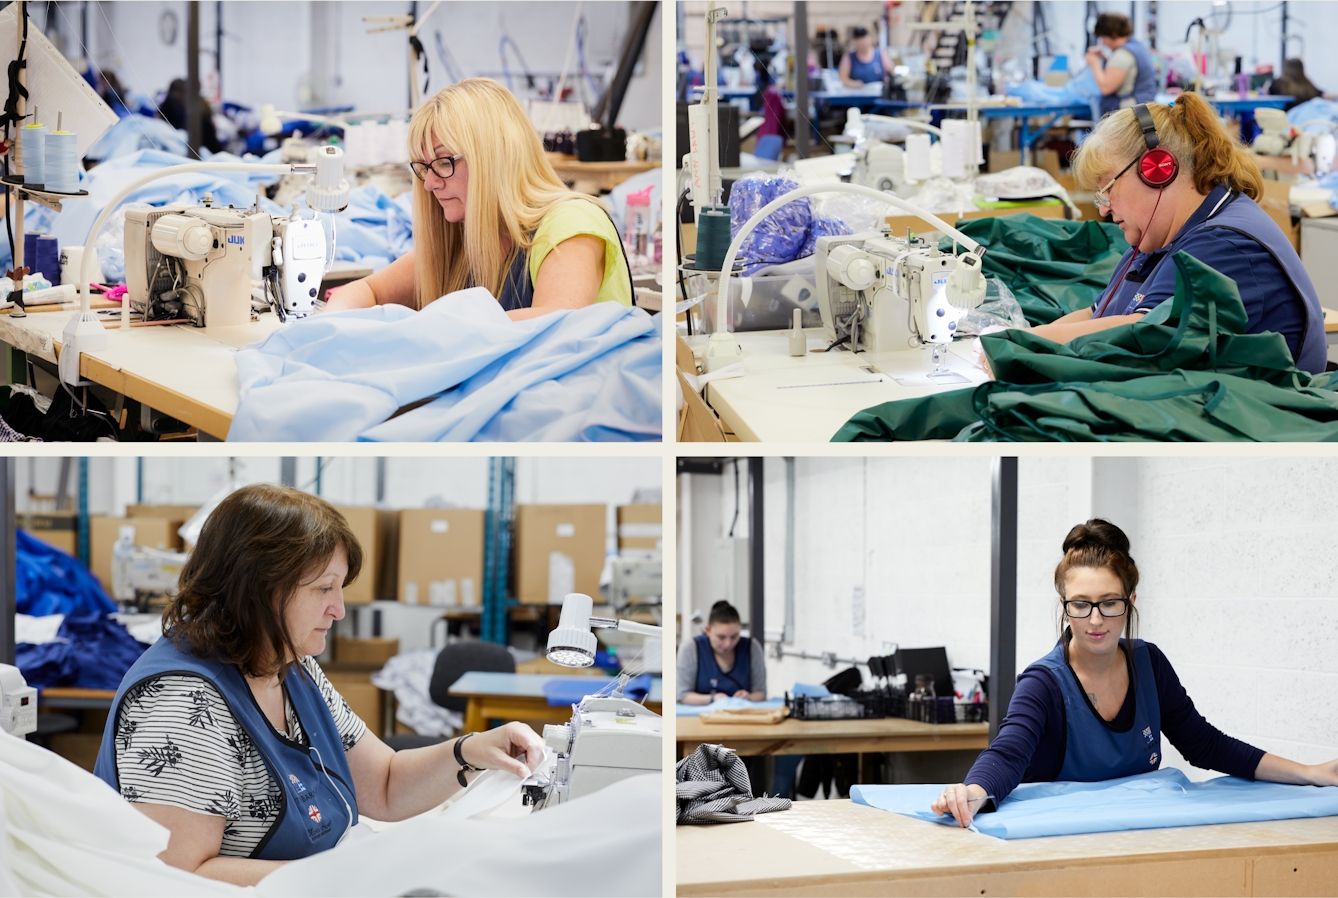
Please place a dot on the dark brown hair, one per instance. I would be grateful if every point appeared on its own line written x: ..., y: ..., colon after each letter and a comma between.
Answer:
x: 723, y: 612
x: 1099, y: 544
x: 1113, y: 24
x: 1294, y: 83
x: 256, y: 548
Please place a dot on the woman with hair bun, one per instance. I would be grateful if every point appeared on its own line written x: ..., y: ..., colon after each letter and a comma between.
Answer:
x: 1096, y: 707
x: 721, y: 663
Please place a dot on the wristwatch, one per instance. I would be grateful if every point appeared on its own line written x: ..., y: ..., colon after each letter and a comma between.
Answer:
x: 465, y: 766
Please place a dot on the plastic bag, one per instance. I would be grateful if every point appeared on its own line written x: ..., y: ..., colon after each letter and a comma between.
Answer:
x: 789, y: 233
x: 942, y: 195
x: 999, y: 310
x: 111, y: 243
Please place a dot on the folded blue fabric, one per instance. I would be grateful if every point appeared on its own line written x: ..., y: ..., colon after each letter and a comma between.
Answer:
x: 1147, y: 801
x: 570, y: 690
x: 584, y: 374
x: 726, y: 704
x: 49, y: 581
x: 810, y: 690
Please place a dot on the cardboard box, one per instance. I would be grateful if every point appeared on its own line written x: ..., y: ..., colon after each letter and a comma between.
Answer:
x: 1002, y: 160
x: 371, y: 652
x: 377, y: 532
x: 357, y: 689
x: 1047, y: 160
x: 441, y: 557
x: 153, y: 533
x: 59, y: 529
x: 640, y: 527
x: 1276, y: 201
x: 559, y: 550
x: 180, y: 513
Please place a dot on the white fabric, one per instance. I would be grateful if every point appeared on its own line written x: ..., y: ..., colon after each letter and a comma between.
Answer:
x: 606, y: 843
x: 408, y: 675
x: 36, y: 630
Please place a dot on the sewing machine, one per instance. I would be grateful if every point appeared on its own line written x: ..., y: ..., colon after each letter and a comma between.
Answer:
x: 882, y: 293
x: 635, y: 578
x: 1278, y: 137
x: 206, y: 263
x: 18, y: 702
x: 139, y: 573
x: 609, y: 738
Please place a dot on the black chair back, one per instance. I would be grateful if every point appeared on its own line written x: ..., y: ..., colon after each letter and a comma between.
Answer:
x: 458, y: 659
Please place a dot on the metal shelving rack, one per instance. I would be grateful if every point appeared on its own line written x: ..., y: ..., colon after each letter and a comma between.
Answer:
x: 497, y: 547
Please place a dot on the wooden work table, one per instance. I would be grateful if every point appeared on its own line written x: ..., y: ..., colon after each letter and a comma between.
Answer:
x: 842, y: 848
x: 811, y: 737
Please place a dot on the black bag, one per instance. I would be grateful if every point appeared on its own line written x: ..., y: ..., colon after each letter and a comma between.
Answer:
x: 84, y: 421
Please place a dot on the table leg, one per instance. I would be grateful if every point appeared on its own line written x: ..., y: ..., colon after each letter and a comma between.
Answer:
x: 474, y: 722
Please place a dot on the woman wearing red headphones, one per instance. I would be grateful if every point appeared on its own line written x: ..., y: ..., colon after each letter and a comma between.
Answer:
x: 1174, y: 180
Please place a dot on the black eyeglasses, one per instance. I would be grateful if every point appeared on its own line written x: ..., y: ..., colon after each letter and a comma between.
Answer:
x: 1080, y: 610
x: 1101, y: 198
x: 443, y: 168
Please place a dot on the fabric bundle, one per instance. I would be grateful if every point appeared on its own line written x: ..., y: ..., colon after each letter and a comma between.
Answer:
x: 789, y: 233
x: 713, y: 787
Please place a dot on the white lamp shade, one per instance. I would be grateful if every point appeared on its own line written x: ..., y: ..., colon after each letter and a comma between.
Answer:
x: 572, y: 644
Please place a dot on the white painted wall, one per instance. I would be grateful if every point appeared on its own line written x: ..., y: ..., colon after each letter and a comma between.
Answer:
x: 1239, y: 585
x: 306, y: 54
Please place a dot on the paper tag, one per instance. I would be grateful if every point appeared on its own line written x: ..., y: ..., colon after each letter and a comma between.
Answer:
x: 467, y: 596
x: 411, y: 593
x: 561, y: 577
x: 566, y: 530
x: 441, y: 593
x: 440, y: 526
x: 640, y: 531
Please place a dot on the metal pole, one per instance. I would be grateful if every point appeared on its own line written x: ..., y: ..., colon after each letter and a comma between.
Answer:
x: 380, y: 480
x: 139, y: 480
x: 1003, y: 591
x: 801, y: 119
x: 193, y: 130
x: 756, y: 569
x: 288, y: 472
x: 787, y: 635
x: 218, y: 44
x: 1283, y: 59
x: 8, y: 560
x: 82, y: 542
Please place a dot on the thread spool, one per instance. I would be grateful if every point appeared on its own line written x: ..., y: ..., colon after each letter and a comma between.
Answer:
x: 62, y: 162
x: 41, y: 253
x: 398, y: 149
x: 713, y: 238
x: 353, y: 145
x: 32, y: 139
x: 917, y: 157
x: 956, y: 137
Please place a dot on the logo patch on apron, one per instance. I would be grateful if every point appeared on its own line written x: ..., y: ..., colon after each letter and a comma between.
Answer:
x: 1153, y: 760
x: 315, y: 813
x: 1147, y: 734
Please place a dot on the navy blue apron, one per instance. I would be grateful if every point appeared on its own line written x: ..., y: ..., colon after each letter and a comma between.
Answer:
x: 710, y: 678
x: 870, y: 72
x: 1145, y: 80
x: 1093, y: 751
x: 316, y: 811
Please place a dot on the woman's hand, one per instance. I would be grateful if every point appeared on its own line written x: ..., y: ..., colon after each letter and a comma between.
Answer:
x: 961, y: 801
x: 1325, y: 774
x: 513, y: 747
x: 743, y: 693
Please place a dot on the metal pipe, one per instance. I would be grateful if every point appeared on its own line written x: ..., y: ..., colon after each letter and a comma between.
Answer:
x: 830, y: 659
x: 756, y: 568
x: 801, y: 119
x: 194, y: 133
x: 8, y: 560
x: 787, y: 635
x: 1003, y: 590
x: 288, y: 471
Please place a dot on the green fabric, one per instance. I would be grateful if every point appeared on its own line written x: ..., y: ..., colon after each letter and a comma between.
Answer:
x: 1053, y: 267
x: 1184, y: 372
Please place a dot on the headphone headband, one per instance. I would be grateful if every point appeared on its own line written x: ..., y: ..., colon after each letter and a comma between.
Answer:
x: 1145, y: 122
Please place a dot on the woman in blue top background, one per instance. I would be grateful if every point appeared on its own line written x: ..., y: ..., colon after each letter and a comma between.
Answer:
x: 865, y: 63
x: 1096, y: 707
x: 252, y: 742
x: 1128, y: 77
x: 1174, y: 180
x: 720, y: 662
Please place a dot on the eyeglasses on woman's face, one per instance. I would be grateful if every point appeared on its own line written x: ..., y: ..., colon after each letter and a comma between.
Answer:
x: 1080, y: 609
x: 1101, y: 199
x: 443, y: 167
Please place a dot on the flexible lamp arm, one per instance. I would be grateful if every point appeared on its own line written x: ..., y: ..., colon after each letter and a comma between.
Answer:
x: 627, y: 626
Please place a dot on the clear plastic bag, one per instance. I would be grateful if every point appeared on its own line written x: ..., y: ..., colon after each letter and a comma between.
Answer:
x: 999, y: 310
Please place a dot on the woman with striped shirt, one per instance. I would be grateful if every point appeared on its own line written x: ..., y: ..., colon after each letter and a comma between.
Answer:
x: 227, y: 732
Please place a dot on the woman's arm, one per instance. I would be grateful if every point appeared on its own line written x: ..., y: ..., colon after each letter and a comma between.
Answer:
x: 195, y: 842
x: 843, y: 69
x: 396, y: 785
x: 1280, y: 770
x: 394, y: 283
x: 569, y: 278
x: 1068, y: 328
x: 697, y: 698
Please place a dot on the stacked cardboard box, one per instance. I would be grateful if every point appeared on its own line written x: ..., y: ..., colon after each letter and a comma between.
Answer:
x: 155, y: 527
x: 640, y: 527
x: 441, y: 557
x: 377, y: 532
x: 559, y: 549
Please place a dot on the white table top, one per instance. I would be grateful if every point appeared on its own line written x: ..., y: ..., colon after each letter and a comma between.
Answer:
x: 808, y: 399
x: 478, y: 682
x: 197, y: 364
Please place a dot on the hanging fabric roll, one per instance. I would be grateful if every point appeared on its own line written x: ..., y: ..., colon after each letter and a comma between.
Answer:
x: 32, y: 140
x: 62, y: 160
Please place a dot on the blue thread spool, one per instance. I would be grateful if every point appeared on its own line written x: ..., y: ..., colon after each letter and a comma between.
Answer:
x: 41, y: 254
x: 62, y: 161
x: 713, y: 237
x: 32, y: 140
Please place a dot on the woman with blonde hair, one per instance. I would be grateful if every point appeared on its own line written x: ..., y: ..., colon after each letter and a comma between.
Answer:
x: 1174, y: 180
x: 490, y: 211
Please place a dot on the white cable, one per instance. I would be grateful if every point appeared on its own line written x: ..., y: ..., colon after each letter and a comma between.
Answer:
x: 722, y: 286
x: 910, y: 122
x: 349, y: 825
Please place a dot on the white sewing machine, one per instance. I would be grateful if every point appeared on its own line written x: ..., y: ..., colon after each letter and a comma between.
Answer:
x: 608, y: 739
x: 205, y: 262
x: 1278, y: 137
x: 882, y: 293
x: 18, y: 702
x: 139, y: 572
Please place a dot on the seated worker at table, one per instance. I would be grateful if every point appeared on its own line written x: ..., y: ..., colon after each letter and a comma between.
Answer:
x: 1294, y: 83
x: 865, y: 63
x: 227, y: 732
x: 1198, y: 195
x: 1096, y: 707
x: 1128, y: 77
x: 490, y: 211
x: 719, y: 663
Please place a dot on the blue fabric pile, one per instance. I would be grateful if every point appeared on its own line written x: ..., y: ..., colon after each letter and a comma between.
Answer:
x: 570, y: 690
x: 586, y: 374
x: 1312, y: 110
x: 726, y: 704
x: 789, y: 233
x: 1081, y: 88
x: 1146, y: 801
x: 92, y: 651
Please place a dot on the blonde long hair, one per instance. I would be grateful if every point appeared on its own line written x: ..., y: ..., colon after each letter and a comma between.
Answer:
x: 512, y: 186
x: 1189, y: 130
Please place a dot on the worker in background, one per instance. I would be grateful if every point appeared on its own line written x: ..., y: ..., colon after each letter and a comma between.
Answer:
x: 721, y: 663
x: 173, y: 109
x: 1128, y: 77
x: 490, y: 211
x: 1096, y: 707
x: 865, y: 63
x: 227, y: 732
x: 1199, y: 199
x: 1296, y: 85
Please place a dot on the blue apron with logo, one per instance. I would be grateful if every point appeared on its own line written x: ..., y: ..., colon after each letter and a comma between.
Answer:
x: 1145, y: 80
x: 1093, y: 751
x: 709, y: 676
x: 318, y: 793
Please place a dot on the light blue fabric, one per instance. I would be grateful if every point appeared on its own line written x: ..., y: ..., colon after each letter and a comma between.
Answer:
x: 1147, y: 801
x: 1310, y: 110
x: 138, y: 132
x: 810, y: 690
x: 1081, y: 88
x: 375, y: 229
x: 726, y: 704
x: 585, y: 374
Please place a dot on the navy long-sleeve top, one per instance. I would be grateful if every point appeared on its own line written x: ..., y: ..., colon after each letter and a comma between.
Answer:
x: 1032, y: 737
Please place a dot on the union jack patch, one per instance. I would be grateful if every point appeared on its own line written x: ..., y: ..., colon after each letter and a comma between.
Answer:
x: 314, y: 813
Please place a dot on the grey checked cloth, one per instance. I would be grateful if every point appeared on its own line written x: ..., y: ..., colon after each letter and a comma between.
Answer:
x: 713, y: 787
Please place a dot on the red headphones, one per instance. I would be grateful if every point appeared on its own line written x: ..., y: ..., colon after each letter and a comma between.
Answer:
x: 1157, y: 167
